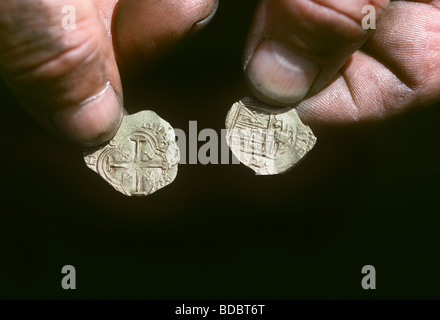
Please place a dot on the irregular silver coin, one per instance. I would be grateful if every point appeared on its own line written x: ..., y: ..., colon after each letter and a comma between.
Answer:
x: 267, y: 142
x: 141, y: 158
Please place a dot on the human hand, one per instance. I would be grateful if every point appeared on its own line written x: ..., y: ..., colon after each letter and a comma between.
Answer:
x: 68, y: 79
x: 315, y: 54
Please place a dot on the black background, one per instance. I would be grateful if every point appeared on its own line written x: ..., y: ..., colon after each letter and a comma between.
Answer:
x: 365, y: 195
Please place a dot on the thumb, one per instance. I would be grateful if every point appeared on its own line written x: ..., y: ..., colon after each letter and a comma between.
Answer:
x: 296, y: 47
x: 56, y: 57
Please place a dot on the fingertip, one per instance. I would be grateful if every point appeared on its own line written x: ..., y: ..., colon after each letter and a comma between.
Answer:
x: 205, y: 21
x: 278, y: 75
x: 295, y: 47
x: 94, y: 121
x: 142, y: 30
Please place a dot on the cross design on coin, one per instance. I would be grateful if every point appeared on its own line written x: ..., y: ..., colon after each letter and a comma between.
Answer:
x: 139, y: 166
x: 141, y: 158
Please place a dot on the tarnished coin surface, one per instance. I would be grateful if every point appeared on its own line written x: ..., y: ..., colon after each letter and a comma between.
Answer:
x: 141, y: 158
x: 268, y: 143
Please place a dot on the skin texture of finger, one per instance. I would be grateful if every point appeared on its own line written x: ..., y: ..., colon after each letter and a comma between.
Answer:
x: 398, y: 68
x: 67, y: 77
x: 295, y: 47
x: 106, y: 10
x: 144, y: 29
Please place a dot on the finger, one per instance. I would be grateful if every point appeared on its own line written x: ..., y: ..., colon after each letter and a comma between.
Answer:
x: 63, y: 70
x: 144, y: 29
x: 398, y: 68
x: 296, y: 47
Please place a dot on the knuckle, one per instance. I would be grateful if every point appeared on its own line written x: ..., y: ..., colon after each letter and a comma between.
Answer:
x: 334, y: 17
x: 57, y: 73
x: 47, y: 59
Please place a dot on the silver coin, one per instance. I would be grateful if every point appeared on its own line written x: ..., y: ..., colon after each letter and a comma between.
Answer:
x: 267, y: 142
x: 141, y: 158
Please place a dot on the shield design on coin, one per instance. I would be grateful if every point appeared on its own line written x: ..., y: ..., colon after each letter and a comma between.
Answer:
x: 266, y: 142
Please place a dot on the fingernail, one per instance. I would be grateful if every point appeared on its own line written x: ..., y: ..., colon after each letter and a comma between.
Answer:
x: 202, y: 23
x: 280, y: 75
x: 94, y: 121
